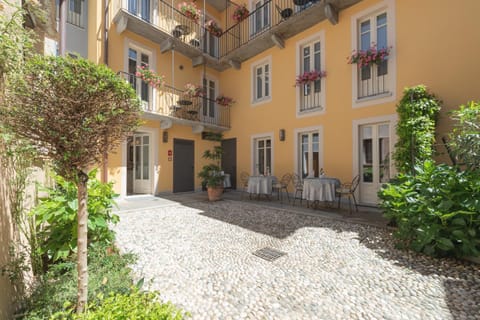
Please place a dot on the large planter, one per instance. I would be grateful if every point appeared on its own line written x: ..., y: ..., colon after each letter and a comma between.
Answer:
x: 215, y: 193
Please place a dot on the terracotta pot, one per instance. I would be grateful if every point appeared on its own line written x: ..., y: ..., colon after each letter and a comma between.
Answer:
x: 215, y: 193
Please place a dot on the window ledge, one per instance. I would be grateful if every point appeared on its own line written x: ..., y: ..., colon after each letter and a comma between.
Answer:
x: 312, y: 112
x: 380, y: 98
x: 258, y: 102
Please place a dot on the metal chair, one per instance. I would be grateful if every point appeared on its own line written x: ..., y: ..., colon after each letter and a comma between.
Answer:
x: 298, y: 185
x: 282, y: 185
x: 348, y: 189
x: 244, y: 182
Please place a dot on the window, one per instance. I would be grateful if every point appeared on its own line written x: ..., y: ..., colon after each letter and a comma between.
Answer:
x: 261, y: 81
x: 136, y: 58
x: 309, y: 154
x: 140, y: 8
x: 263, y: 156
x: 374, y: 28
x: 261, y: 16
x: 75, y: 12
x: 211, y: 41
x: 208, y: 107
x: 311, y: 97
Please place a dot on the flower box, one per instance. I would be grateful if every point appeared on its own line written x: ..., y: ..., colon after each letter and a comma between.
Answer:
x: 150, y: 77
x: 371, y: 56
x: 224, y: 101
x: 193, y: 91
x: 213, y: 28
x: 309, y: 76
x: 190, y: 10
x: 240, y: 13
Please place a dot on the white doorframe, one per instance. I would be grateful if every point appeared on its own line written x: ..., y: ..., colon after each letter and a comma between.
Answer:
x: 296, y: 144
x: 392, y: 120
x: 153, y: 161
x: 253, y: 138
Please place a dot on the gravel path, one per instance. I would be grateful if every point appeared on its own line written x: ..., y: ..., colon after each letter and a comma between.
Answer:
x: 200, y: 257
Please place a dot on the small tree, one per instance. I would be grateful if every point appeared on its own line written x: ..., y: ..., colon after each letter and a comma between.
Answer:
x: 73, y: 112
x: 418, y: 111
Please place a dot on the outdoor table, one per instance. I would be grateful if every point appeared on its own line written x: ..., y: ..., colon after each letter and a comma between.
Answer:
x: 320, y: 189
x: 260, y: 185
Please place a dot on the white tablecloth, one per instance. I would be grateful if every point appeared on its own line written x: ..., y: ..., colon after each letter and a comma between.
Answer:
x: 260, y: 184
x: 226, y: 181
x: 320, y: 189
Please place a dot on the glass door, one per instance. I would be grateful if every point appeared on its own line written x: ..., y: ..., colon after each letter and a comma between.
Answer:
x: 374, y: 160
x: 137, y: 59
x: 263, y: 156
x: 309, y: 155
x: 141, y: 163
x: 208, y: 105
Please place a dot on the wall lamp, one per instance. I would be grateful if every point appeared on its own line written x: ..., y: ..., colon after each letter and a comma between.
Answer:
x: 281, y: 134
x: 165, y: 136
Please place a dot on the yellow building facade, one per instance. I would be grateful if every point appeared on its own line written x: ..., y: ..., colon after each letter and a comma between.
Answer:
x: 343, y: 122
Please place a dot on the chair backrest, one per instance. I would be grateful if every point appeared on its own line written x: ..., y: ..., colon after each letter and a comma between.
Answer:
x: 355, y: 182
x: 286, y: 178
x: 297, y: 181
x: 244, y: 177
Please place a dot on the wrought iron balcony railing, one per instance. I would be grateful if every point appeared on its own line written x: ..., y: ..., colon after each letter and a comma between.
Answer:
x: 372, y: 80
x: 176, y: 104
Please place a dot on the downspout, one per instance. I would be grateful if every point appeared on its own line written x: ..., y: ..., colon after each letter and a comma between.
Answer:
x: 104, y: 176
x: 63, y: 27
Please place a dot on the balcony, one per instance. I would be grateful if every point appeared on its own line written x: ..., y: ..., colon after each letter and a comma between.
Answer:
x: 274, y: 22
x: 372, y: 81
x: 172, y: 106
x: 162, y: 24
x: 268, y: 25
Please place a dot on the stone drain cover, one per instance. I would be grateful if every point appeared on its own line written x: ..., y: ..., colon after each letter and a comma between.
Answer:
x: 269, y: 254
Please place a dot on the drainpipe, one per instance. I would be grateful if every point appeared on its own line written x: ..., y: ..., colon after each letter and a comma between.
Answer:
x: 104, y: 176
x: 62, y: 27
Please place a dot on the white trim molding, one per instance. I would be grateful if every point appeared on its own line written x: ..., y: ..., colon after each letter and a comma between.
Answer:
x: 154, y: 163
x: 267, y: 135
x: 320, y: 36
x: 392, y: 119
x: 253, y: 66
x: 296, y: 144
x: 387, y: 6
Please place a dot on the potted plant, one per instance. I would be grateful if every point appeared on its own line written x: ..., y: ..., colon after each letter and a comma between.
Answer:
x: 309, y: 76
x: 224, y: 101
x: 212, y: 175
x: 240, y: 13
x: 365, y: 58
x: 190, y: 10
x: 150, y: 77
x: 193, y: 90
x: 213, y: 28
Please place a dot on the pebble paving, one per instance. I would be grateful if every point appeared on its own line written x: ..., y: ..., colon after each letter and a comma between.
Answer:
x: 199, y: 256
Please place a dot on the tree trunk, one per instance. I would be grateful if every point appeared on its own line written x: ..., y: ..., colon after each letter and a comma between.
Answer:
x: 82, y: 242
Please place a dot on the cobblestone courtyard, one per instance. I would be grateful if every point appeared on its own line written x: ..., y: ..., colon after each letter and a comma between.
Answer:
x: 199, y: 256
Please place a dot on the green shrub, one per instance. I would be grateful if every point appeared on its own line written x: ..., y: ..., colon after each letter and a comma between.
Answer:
x: 465, y: 138
x: 56, y: 217
x: 418, y: 111
x: 109, y: 272
x: 437, y: 210
x: 133, y: 305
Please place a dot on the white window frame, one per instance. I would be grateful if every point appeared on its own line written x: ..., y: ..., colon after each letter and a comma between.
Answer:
x: 253, y: 68
x: 152, y: 59
x: 253, y: 151
x: 387, y: 6
x: 210, y: 77
x: 153, y: 158
x: 209, y: 37
x: 253, y: 27
x: 319, y: 36
x: 298, y: 143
